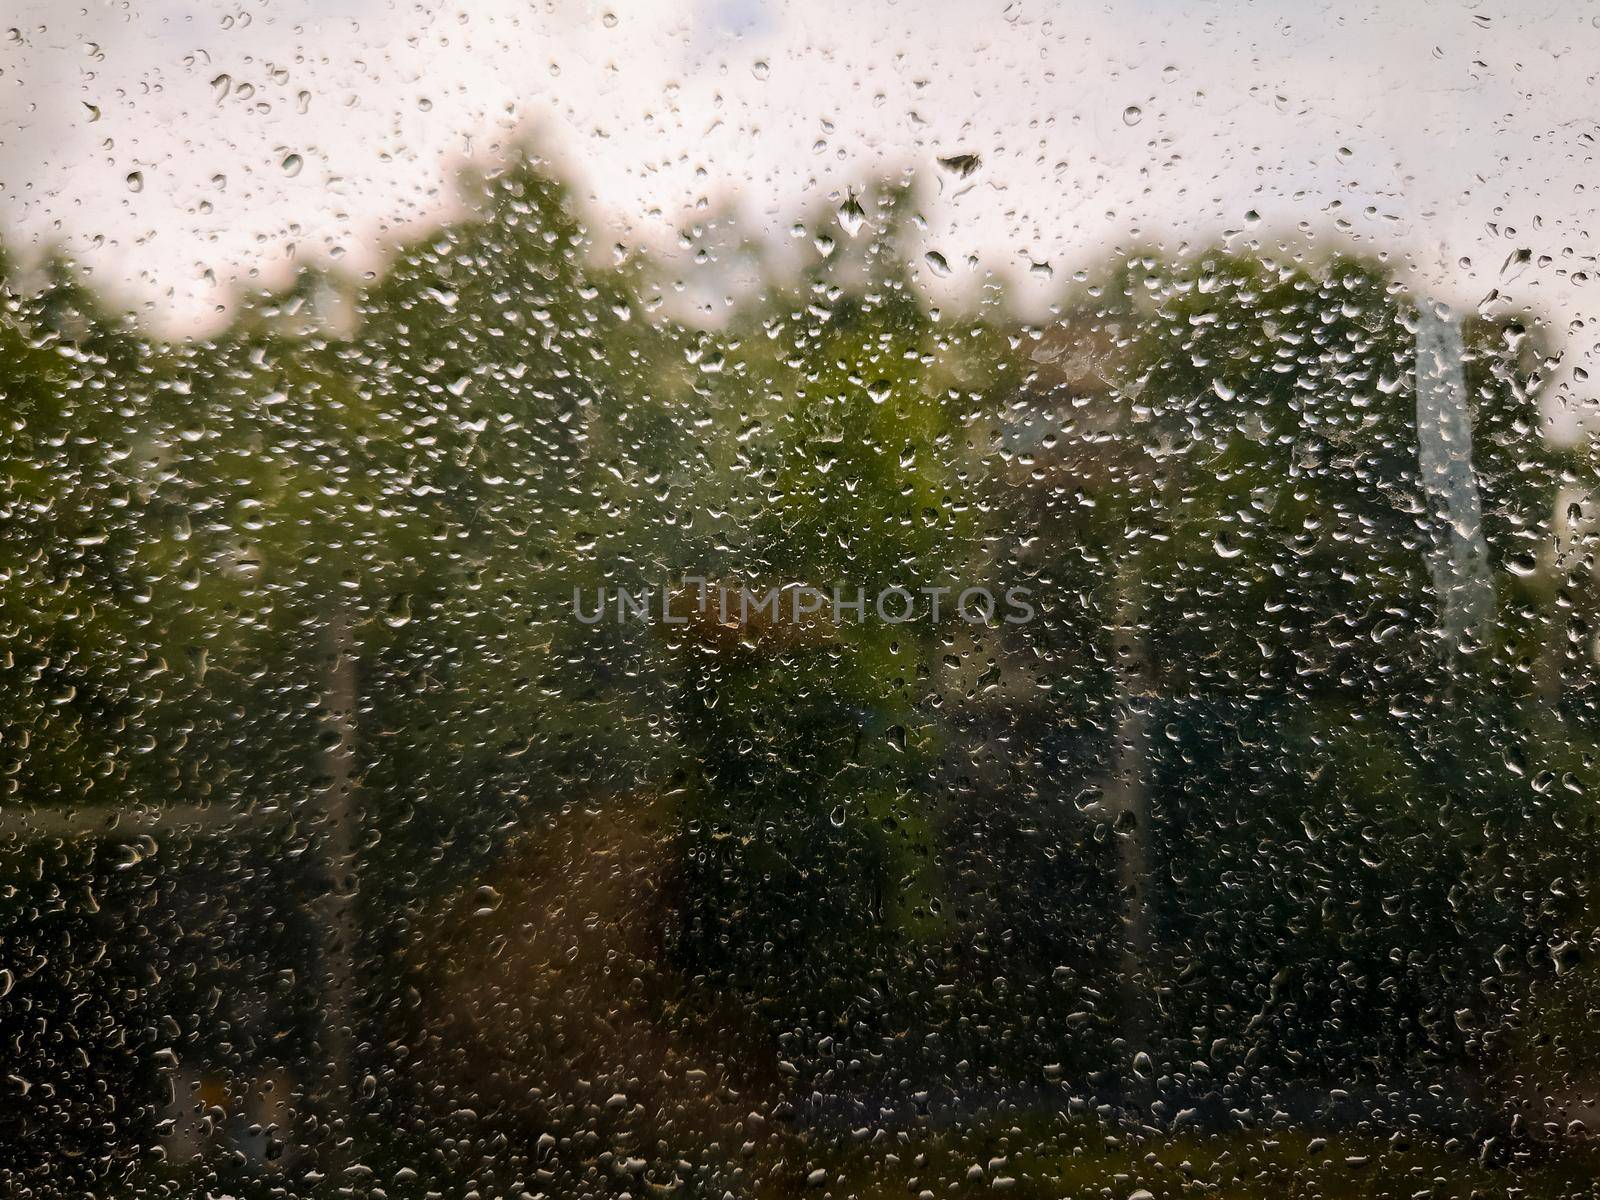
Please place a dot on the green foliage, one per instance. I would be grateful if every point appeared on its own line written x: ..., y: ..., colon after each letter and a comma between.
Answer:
x: 1205, y: 469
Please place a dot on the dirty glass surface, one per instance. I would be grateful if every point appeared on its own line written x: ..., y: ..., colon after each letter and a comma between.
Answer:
x: 735, y: 600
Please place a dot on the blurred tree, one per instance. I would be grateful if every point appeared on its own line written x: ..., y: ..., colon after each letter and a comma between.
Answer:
x: 1241, y: 813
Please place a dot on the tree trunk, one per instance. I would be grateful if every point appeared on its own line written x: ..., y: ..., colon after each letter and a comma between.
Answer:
x: 1127, y: 800
x: 336, y: 914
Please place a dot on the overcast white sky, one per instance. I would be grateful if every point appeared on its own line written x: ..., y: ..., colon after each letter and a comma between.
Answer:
x: 1456, y: 132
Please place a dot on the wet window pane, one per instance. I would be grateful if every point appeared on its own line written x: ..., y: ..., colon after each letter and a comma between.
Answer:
x: 746, y: 600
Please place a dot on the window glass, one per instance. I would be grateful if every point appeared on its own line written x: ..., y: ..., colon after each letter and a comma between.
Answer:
x: 754, y: 600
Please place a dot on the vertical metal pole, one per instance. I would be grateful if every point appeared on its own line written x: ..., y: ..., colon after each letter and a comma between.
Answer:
x: 1460, y: 557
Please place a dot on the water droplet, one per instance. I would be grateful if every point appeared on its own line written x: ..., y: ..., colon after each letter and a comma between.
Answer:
x: 1132, y: 115
x: 136, y: 181
x: 937, y: 263
x: 399, y: 612
x: 851, y: 215
x: 961, y: 165
x: 292, y: 164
